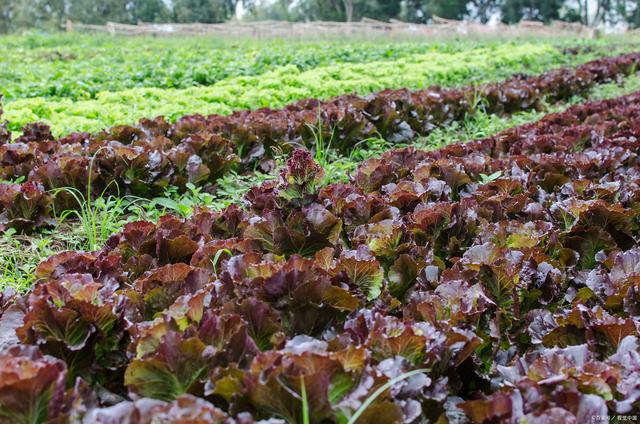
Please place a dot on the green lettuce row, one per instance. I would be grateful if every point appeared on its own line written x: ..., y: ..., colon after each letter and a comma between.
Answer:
x: 284, y: 85
x: 80, y: 66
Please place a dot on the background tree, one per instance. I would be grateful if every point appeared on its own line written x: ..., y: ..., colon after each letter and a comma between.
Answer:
x: 149, y: 11
x: 98, y: 12
x: 424, y: 10
x: 279, y: 10
x: 204, y: 11
x: 48, y: 14
x: 51, y: 14
x: 631, y: 12
x: 533, y: 10
x: 348, y: 9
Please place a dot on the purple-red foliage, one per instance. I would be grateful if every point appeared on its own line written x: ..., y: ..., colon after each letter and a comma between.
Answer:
x: 145, y: 159
x: 518, y: 293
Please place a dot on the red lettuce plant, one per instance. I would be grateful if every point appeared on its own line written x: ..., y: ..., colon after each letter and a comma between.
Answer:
x: 147, y: 158
x: 496, y: 280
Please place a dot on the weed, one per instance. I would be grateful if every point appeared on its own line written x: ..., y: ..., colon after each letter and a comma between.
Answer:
x: 321, y: 147
x: 20, y: 255
x: 486, y: 179
x: 232, y: 188
x: 216, y: 259
x: 183, y: 204
x: 99, y: 218
x: 354, y: 418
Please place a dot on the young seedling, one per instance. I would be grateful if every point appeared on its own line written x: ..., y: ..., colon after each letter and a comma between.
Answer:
x: 486, y: 179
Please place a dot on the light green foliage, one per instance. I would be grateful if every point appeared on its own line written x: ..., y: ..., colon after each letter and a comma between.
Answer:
x: 98, y: 218
x: 79, y: 66
x: 19, y: 255
x: 284, y: 85
x: 180, y: 204
x: 485, y: 179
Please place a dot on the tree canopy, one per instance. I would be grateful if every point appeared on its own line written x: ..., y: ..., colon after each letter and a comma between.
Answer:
x: 20, y: 14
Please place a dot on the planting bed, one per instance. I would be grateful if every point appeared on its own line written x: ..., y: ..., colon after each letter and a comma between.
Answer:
x: 283, y: 85
x: 492, y: 281
x: 80, y: 66
x: 146, y: 159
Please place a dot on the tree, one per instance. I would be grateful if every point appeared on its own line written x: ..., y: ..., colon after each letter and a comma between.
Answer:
x: 631, y: 12
x: 149, y: 11
x: 204, y: 11
x: 533, y: 10
x: 98, y: 12
x: 482, y: 10
x: 278, y: 10
x: 7, y: 15
x: 318, y: 10
x: 341, y: 10
x: 348, y: 8
x: 424, y: 10
x: 49, y: 14
x: 579, y: 13
x: 616, y: 11
x: 378, y: 9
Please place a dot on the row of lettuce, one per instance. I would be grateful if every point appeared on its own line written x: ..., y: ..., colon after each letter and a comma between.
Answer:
x: 497, y: 279
x: 144, y: 160
x: 284, y: 85
x: 81, y: 66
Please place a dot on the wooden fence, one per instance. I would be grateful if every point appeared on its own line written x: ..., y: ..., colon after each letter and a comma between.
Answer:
x: 367, y: 28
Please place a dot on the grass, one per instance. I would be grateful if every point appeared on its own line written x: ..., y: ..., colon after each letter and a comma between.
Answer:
x: 305, y: 402
x: 95, y: 221
x: 19, y: 254
x: 322, y: 147
x: 98, y: 218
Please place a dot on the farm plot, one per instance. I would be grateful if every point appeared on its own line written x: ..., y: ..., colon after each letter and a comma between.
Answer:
x: 143, y: 161
x: 457, y: 281
x: 323, y: 263
x: 79, y: 66
x: 282, y: 85
x: 81, y: 220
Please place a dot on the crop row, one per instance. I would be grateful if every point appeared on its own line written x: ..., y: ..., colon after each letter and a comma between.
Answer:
x: 80, y: 67
x: 497, y: 278
x: 283, y: 86
x: 146, y: 159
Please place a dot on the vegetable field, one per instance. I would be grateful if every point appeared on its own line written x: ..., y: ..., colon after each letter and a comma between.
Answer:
x: 196, y: 230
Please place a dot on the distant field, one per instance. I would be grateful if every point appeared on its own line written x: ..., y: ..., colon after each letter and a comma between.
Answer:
x: 87, y: 83
x: 397, y: 256
x: 80, y: 66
